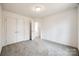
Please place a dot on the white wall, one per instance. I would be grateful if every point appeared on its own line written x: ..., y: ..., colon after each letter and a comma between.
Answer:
x: 78, y: 25
x: 15, y: 28
x: 61, y: 27
x: 0, y: 28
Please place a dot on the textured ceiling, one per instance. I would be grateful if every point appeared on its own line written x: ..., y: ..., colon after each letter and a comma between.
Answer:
x: 46, y: 8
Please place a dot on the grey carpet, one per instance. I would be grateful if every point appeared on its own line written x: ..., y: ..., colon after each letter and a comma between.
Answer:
x: 38, y: 47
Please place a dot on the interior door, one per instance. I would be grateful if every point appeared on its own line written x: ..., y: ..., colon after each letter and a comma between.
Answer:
x: 11, y: 30
x: 0, y: 38
x: 33, y: 30
x: 20, y: 29
x: 26, y: 28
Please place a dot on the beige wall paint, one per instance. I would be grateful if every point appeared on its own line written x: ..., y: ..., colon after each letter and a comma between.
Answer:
x: 61, y: 28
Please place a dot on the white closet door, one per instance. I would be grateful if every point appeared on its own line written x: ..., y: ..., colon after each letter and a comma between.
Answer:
x: 26, y: 29
x: 11, y: 30
x: 20, y: 29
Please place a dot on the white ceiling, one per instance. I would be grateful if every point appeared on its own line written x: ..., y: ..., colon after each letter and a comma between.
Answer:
x: 27, y: 8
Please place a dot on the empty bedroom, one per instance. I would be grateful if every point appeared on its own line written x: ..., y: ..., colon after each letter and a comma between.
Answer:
x: 39, y: 29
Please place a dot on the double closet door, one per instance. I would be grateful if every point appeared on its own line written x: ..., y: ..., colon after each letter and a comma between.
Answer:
x: 17, y: 29
x: 10, y: 30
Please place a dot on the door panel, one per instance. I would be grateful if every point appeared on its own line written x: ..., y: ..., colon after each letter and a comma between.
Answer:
x: 17, y: 29
x: 20, y: 29
x: 26, y: 29
x: 11, y: 30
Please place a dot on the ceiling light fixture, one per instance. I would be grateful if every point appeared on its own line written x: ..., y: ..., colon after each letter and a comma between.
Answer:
x: 37, y: 9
